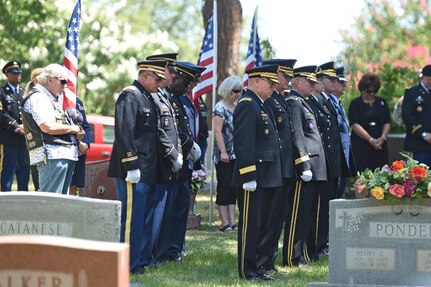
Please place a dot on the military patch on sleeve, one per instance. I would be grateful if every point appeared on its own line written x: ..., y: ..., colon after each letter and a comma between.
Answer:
x: 245, y: 99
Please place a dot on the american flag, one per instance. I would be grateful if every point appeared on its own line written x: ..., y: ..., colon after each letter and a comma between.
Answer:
x: 254, y: 53
x: 71, y: 58
x: 206, y: 59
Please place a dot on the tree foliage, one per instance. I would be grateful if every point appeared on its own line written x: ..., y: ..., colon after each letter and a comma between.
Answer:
x: 390, y: 38
x: 114, y: 36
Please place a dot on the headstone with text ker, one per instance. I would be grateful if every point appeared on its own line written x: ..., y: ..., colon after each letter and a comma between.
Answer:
x: 46, y: 213
x: 51, y: 261
x: 383, y: 242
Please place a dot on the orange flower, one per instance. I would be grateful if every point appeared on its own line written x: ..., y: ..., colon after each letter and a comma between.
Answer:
x: 418, y: 173
x: 398, y: 164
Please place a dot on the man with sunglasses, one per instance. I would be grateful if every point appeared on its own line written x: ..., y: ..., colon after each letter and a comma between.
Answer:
x: 50, y: 134
x: 13, y: 152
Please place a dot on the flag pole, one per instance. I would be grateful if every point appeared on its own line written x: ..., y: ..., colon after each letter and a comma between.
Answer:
x: 212, y: 109
x: 254, y: 24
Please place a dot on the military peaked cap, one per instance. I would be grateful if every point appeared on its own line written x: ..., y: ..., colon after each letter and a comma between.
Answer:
x: 13, y: 67
x: 340, y: 74
x: 327, y: 69
x: 266, y: 71
x: 190, y: 72
x: 284, y: 65
x: 426, y: 71
x: 157, y: 67
x: 171, y: 58
x: 308, y: 72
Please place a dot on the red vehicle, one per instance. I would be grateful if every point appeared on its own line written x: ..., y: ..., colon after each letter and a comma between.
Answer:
x: 102, y: 137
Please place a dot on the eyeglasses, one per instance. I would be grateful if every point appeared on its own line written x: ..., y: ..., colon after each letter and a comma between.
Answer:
x: 158, y: 79
x: 63, y: 82
x: 236, y: 91
x: 269, y: 82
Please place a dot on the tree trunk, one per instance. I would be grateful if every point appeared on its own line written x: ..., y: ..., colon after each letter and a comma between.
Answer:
x: 229, y: 29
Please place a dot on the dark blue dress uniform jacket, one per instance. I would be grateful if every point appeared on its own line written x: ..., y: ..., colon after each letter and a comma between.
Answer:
x: 307, y: 144
x: 417, y: 118
x: 279, y: 107
x: 10, y: 116
x: 135, y: 145
x: 327, y: 122
x: 256, y: 144
x: 184, y: 132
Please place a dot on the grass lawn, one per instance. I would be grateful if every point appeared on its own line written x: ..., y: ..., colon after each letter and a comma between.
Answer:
x: 211, y: 260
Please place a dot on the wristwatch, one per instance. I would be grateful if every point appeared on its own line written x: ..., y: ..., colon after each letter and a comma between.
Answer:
x: 424, y: 134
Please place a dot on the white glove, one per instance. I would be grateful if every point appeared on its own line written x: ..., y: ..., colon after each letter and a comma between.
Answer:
x: 306, y: 175
x: 249, y: 185
x: 178, y: 163
x: 133, y: 176
x: 194, y: 153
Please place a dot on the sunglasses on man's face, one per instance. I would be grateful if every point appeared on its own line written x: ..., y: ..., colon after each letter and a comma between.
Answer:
x: 370, y: 91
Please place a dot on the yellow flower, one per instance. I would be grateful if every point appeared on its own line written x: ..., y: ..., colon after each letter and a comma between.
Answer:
x: 378, y: 192
x: 429, y: 189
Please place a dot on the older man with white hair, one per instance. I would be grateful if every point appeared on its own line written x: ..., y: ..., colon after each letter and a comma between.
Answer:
x: 51, y: 136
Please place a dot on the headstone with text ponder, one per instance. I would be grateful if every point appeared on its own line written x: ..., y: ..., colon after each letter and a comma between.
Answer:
x: 46, y: 213
x: 51, y: 261
x: 374, y: 242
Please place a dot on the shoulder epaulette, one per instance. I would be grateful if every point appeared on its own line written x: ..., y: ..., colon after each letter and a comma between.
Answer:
x: 130, y: 88
x: 245, y: 99
x: 295, y: 98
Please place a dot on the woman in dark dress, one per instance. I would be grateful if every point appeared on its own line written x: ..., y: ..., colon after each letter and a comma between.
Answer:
x: 370, y: 121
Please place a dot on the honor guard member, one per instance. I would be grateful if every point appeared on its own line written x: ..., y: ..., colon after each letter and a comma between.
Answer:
x: 13, y: 152
x: 310, y: 165
x: 172, y: 159
x: 343, y: 125
x: 327, y: 123
x: 202, y: 133
x: 416, y: 112
x: 134, y: 160
x: 277, y: 209
x: 171, y: 239
x: 257, y: 167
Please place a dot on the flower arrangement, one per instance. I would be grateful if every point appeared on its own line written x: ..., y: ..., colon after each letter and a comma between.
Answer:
x: 401, y: 179
x: 198, y: 180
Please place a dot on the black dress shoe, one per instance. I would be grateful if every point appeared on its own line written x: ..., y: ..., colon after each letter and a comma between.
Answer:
x: 266, y: 277
x: 252, y: 277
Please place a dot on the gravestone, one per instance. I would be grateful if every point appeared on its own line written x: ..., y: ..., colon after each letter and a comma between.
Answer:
x: 97, y: 183
x: 374, y: 242
x: 47, y: 213
x: 51, y: 261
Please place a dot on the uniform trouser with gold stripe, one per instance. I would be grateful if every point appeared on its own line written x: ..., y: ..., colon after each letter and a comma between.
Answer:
x: 320, y: 228
x: 137, y: 210
x: 14, y: 161
x: 298, y: 222
x: 251, y: 226
x: 276, y: 211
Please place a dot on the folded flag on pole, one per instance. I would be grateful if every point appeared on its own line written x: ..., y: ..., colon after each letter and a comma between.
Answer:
x: 68, y: 99
x: 254, y: 53
x: 206, y: 59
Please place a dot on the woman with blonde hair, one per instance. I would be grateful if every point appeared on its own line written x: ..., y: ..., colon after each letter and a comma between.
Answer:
x: 224, y: 155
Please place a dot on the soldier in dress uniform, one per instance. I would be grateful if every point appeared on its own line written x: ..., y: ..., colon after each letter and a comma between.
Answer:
x: 171, y: 159
x: 277, y: 209
x: 257, y: 167
x: 416, y: 112
x: 172, y: 234
x: 327, y: 123
x: 134, y: 160
x: 310, y: 164
x: 13, y: 152
x: 343, y: 124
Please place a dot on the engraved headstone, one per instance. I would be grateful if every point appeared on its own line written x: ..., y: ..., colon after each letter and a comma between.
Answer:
x: 383, y: 242
x: 46, y: 213
x: 51, y: 261
x: 98, y: 184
